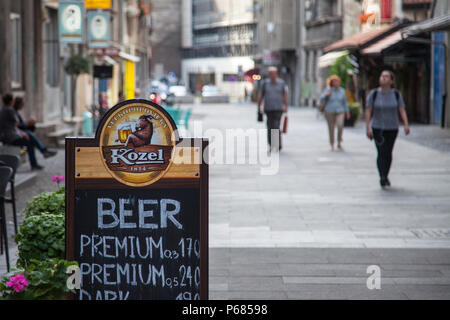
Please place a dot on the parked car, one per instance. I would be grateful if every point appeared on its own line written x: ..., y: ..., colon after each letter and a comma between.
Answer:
x: 212, y: 94
x: 178, y: 91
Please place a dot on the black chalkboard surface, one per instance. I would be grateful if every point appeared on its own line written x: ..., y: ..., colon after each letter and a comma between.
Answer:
x: 138, y: 244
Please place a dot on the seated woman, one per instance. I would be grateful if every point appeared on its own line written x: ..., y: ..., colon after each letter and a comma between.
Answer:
x: 11, y: 134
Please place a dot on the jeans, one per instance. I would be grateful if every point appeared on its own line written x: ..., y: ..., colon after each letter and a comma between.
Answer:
x: 384, y: 141
x: 273, y: 122
x: 30, y: 144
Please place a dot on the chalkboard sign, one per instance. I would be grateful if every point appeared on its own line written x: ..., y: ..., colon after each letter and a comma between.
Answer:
x: 137, y: 228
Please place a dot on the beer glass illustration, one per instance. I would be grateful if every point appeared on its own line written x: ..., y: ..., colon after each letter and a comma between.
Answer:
x: 123, y: 131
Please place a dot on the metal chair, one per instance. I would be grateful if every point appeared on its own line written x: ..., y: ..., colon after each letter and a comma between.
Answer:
x: 5, y: 176
x: 13, y: 162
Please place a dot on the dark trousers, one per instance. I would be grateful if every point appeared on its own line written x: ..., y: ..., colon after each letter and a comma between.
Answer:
x: 384, y: 141
x: 31, y: 145
x: 273, y: 122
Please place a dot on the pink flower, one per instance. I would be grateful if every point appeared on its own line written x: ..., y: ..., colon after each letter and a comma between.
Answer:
x: 58, y: 179
x: 17, y: 282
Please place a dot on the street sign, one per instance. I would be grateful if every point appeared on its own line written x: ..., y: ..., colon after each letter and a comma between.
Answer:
x: 137, y: 208
x: 98, y: 4
x: 98, y: 29
x: 111, y: 52
x: 71, y: 21
x: 271, y: 57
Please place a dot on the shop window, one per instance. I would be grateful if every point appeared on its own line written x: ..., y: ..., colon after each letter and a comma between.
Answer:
x: 16, y: 50
x: 52, y: 50
x: 229, y: 77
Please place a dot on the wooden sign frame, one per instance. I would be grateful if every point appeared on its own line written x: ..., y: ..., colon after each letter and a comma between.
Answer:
x: 81, y: 153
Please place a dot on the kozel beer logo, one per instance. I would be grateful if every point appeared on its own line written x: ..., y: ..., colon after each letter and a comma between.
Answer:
x: 136, y: 144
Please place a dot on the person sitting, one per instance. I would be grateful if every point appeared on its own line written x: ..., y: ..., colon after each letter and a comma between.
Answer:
x: 12, y: 135
x: 29, y: 125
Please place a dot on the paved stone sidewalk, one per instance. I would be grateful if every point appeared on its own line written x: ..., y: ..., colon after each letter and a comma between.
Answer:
x: 311, y: 231
x: 41, y: 183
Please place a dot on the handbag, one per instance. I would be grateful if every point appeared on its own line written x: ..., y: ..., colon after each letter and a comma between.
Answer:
x: 323, y: 104
x: 285, y: 124
x: 260, y: 116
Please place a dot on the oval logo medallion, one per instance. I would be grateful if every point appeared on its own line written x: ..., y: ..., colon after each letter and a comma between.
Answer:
x: 136, y: 143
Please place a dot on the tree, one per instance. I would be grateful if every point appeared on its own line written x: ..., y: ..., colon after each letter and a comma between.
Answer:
x: 76, y: 65
x: 343, y: 68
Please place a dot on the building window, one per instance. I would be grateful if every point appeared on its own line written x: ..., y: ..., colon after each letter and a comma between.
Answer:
x: 16, y: 52
x: 311, y: 10
x: 52, y: 50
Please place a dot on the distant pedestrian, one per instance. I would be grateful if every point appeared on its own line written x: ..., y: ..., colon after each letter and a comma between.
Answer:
x: 383, y: 106
x: 274, y: 93
x: 121, y: 96
x: 336, y: 108
x: 137, y: 94
x: 102, y: 104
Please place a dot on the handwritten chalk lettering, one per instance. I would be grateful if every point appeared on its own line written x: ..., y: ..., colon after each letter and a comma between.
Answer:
x: 187, y: 245
x: 127, y: 247
x: 188, y: 296
x: 114, y: 274
x: 109, y: 219
x: 104, y: 295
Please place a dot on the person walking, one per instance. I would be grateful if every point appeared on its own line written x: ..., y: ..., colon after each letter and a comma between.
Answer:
x: 274, y: 92
x: 12, y: 135
x: 383, y: 106
x: 336, y: 108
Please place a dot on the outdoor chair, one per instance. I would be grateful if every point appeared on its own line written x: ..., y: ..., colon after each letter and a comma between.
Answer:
x: 13, y: 162
x: 5, y: 176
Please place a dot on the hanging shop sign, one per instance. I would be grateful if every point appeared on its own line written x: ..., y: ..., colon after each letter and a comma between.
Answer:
x: 98, y: 29
x: 71, y: 21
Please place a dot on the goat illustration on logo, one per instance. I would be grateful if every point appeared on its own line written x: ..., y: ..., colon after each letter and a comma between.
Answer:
x: 142, y: 135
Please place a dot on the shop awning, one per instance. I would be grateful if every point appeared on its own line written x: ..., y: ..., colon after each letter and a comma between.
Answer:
x: 379, y: 46
x: 434, y: 24
x: 330, y: 58
x: 357, y: 40
x: 129, y: 57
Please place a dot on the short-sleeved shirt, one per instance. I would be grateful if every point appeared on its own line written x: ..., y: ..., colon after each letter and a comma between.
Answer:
x: 8, y: 129
x: 273, y: 94
x: 337, y: 102
x: 385, y: 109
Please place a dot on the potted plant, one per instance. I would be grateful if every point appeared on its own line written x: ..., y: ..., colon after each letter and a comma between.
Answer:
x: 43, y: 280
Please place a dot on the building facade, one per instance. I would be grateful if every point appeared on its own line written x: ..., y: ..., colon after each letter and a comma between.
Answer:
x: 322, y: 23
x: 22, y: 56
x: 166, y: 37
x: 277, y: 36
x: 218, y: 44
x: 34, y: 60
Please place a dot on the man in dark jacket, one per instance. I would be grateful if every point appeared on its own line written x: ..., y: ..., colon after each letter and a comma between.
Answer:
x: 12, y: 135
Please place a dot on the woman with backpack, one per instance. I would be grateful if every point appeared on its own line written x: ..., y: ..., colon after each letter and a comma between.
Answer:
x: 383, y: 106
